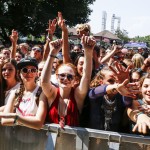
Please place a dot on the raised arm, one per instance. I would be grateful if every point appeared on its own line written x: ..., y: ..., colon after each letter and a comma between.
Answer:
x: 51, y: 29
x: 48, y: 89
x: 65, y: 45
x: 81, y: 90
x: 109, y: 55
x: 146, y: 65
x: 120, y: 73
x: 13, y: 38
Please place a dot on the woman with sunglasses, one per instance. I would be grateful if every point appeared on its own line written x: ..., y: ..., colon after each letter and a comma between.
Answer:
x: 27, y: 105
x: 65, y: 102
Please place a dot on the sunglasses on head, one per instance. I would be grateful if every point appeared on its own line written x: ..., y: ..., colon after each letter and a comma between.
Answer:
x: 28, y: 70
x: 36, y: 49
x: 62, y: 76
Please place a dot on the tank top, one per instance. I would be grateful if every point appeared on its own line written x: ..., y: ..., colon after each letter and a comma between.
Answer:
x: 72, y: 116
x: 28, y: 105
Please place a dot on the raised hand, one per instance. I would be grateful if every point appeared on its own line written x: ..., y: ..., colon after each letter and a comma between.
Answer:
x: 61, y: 21
x: 120, y: 73
x: 88, y: 43
x: 128, y: 89
x: 14, y: 36
x: 51, y: 26
x: 55, y: 46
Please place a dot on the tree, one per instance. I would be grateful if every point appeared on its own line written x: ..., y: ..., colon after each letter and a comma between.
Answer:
x: 31, y: 17
x: 120, y: 34
x: 145, y: 39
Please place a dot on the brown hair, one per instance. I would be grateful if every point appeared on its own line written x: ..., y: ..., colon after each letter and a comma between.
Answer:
x: 147, y: 75
x: 99, y: 76
x: 3, y: 81
x: 14, y: 63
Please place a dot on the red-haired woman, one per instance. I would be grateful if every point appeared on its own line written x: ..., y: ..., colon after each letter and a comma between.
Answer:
x: 66, y: 102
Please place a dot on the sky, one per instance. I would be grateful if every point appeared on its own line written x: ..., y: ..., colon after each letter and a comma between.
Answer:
x: 134, y: 14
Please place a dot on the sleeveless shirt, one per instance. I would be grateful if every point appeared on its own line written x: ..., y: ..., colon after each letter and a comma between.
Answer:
x: 72, y: 116
x: 28, y: 105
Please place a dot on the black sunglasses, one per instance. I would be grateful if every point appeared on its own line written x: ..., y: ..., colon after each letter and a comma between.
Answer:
x: 27, y: 70
x: 62, y: 76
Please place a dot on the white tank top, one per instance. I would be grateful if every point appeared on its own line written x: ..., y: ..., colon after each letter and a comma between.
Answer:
x: 28, y: 105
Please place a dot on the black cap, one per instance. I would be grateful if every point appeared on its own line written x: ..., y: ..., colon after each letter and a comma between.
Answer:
x: 27, y: 61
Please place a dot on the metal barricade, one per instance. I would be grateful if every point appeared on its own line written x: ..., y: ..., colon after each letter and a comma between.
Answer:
x: 51, y: 137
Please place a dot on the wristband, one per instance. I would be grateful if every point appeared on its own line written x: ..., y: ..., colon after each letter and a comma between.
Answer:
x: 15, y: 119
x: 54, y: 56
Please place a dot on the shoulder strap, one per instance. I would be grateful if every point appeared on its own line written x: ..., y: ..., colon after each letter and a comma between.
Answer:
x: 38, y: 93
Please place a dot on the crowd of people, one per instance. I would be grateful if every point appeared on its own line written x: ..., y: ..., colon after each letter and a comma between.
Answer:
x: 87, y: 85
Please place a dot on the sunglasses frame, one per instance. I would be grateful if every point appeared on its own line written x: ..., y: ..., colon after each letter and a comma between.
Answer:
x: 62, y: 76
x: 29, y: 70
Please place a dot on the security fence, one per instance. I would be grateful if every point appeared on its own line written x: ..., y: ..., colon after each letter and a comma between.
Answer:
x: 51, y: 137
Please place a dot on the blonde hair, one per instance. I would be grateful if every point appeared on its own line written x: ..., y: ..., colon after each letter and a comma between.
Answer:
x: 137, y: 60
x: 83, y: 27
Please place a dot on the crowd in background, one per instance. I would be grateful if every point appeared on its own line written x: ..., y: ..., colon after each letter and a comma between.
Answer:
x: 82, y: 85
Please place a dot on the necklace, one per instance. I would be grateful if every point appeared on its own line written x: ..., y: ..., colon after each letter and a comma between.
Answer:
x: 109, y: 108
x: 62, y: 112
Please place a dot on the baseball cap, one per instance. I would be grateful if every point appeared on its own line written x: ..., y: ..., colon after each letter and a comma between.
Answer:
x: 26, y: 62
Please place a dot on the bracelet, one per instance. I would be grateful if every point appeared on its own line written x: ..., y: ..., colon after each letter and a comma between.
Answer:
x: 54, y: 56
x: 15, y: 119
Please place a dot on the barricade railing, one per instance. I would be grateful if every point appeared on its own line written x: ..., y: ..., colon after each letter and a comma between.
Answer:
x: 51, y: 137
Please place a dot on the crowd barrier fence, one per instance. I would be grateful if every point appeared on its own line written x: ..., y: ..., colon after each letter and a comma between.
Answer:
x: 51, y: 137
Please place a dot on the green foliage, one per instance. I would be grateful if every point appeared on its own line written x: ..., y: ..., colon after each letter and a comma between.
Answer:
x: 120, y: 34
x: 31, y: 17
x: 145, y: 39
x: 125, y: 38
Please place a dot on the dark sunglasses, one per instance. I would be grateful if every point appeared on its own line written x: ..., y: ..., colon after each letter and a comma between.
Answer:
x: 30, y: 70
x: 62, y: 76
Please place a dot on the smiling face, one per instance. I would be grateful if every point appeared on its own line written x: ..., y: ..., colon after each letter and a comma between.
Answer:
x: 28, y: 73
x: 8, y: 71
x: 145, y: 89
x: 65, y: 77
